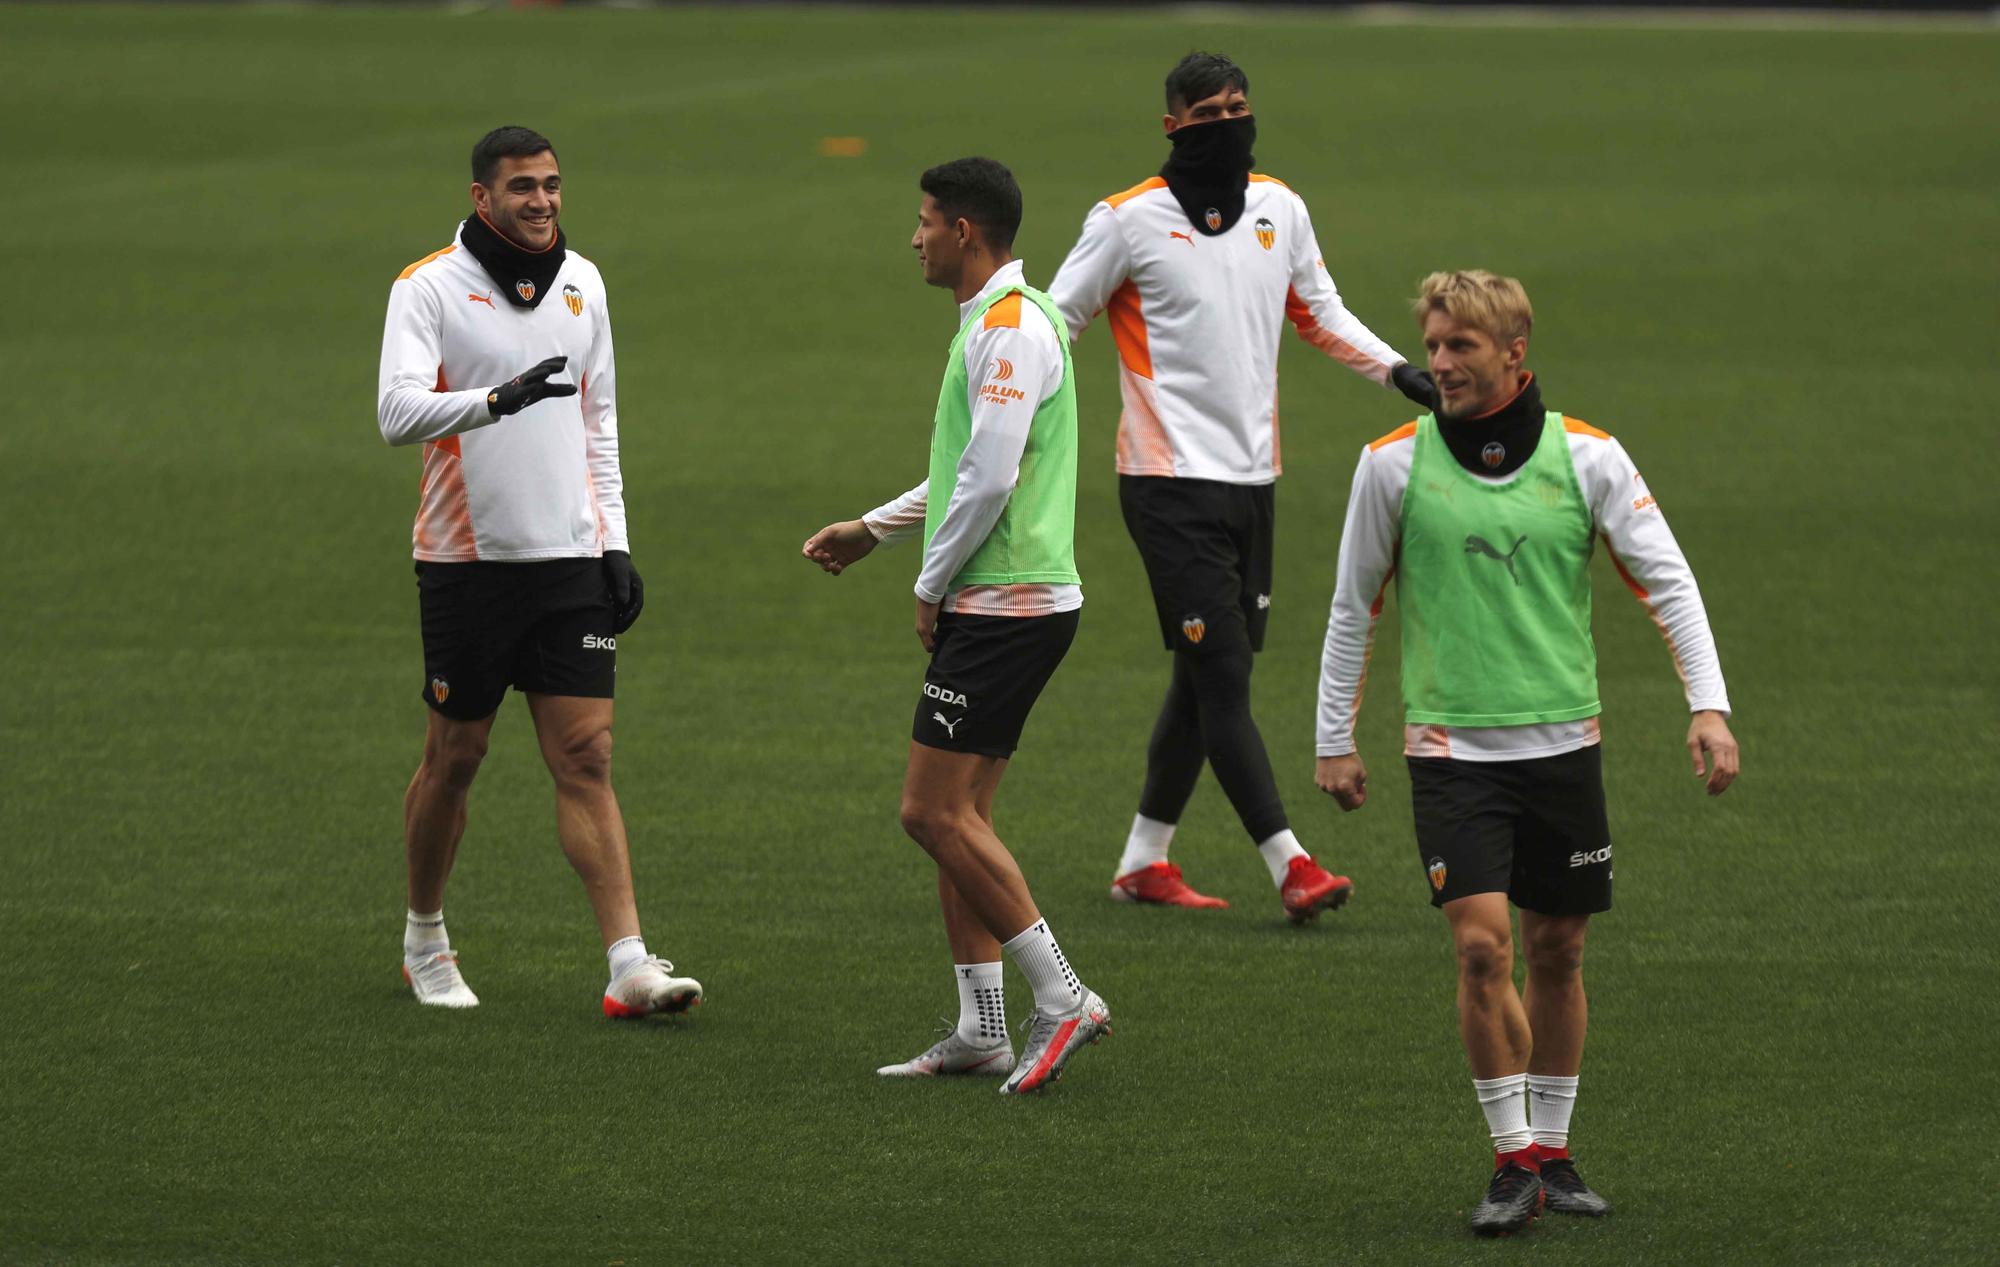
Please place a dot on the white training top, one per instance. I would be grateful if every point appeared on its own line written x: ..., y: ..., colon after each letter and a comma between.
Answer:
x: 1641, y: 546
x: 1197, y: 319
x: 1015, y: 348
x: 539, y: 484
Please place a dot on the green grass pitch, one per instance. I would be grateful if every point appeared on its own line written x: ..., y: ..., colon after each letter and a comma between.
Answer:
x: 1768, y: 262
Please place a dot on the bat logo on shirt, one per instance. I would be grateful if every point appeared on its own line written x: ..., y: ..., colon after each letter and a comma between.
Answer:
x: 1176, y: 233
x: 526, y: 290
x: 1476, y: 544
x: 486, y: 299
x: 1267, y: 234
x: 574, y: 298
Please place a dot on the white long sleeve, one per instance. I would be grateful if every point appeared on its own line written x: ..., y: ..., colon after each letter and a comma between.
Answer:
x: 1367, y: 561
x: 1094, y: 269
x: 411, y: 405
x: 599, y: 391
x: 1322, y: 319
x: 900, y: 518
x: 1654, y: 568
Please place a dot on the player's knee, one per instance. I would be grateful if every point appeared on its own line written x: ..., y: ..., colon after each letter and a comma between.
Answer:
x: 1485, y: 955
x: 583, y: 757
x: 454, y: 758
x: 1222, y: 682
x: 928, y: 823
x: 1555, y: 952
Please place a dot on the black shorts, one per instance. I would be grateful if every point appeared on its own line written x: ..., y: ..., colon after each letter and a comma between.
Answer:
x: 986, y: 672
x: 1207, y: 548
x: 1535, y: 830
x: 543, y: 627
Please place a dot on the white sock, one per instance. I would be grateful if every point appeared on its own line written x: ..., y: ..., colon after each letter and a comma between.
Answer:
x: 1035, y: 953
x: 424, y: 935
x: 623, y: 953
x: 1146, y: 845
x: 1505, y: 1103
x: 1278, y: 853
x: 982, y: 1013
x: 1554, y: 1099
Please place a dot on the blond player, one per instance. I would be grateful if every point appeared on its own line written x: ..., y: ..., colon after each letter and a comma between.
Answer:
x: 1486, y: 515
x: 1198, y: 270
x: 524, y: 576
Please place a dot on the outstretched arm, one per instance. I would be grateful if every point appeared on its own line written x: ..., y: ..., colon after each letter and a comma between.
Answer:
x: 839, y: 546
x: 1322, y: 319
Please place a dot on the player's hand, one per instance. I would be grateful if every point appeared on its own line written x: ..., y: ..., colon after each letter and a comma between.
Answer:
x: 1708, y: 734
x: 527, y: 387
x: 1417, y: 384
x: 628, y: 592
x: 1345, y: 779
x: 840, y: 546
x: 927, y: 616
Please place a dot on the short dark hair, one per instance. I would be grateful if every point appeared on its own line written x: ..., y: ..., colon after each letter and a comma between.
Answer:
x: 980, y: 190
x: 507, y: 142
x: 1201, y: 75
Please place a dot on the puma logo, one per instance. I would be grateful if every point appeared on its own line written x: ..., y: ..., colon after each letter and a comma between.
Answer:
x: 1476, y: 544
x: 1175, y: 233
x: 950, y: 727
x: 486, y: 299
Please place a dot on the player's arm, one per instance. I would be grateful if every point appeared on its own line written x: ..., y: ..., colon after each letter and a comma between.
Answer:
x: 839, y: 546
x: 409, y: 407
x: 1096, y: 266
x: 1657, y: 572
x: 1368, y: 542
x: 1320, y: 316
x: 599, y: 384
x: 991, y: 464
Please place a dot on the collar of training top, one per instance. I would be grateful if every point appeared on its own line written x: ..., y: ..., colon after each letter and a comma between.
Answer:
x: 1209, y: 169
x: 1500, y: 442
x: 523, y: 276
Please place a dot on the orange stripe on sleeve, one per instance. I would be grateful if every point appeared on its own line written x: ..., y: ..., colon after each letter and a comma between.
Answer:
x: 1263, y: 179
x: 1578, y: 427
x: 1128, y: 330
x: 1006, y: 314
x: 405, y: 274
x: 1145, y: 186
x: 1403, y: 432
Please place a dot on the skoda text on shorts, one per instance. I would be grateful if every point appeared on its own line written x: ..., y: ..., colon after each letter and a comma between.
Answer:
x: 1197, y: 270
x: 496, y: 357
x: 997, y: 603
x: 1486, y: 515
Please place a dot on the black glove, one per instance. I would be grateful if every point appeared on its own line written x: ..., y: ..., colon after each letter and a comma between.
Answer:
x: 1417, y: 384
x: 628, y: 592
x: 527, y: 387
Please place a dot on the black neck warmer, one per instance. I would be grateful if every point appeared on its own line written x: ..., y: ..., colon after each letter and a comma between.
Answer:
x: 522, y: 275
x: 1209, y: 169
x: 1501, y: 442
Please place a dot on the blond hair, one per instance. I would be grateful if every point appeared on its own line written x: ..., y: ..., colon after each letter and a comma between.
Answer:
x: 1474, y: 297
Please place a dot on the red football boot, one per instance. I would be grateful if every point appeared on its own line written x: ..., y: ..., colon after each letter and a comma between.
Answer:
x: 1160, y: 884
x: 1309, y: 889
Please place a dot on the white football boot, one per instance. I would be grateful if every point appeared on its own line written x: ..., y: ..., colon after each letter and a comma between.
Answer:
x: 435, y: 980
x: 952, y: 1055
x: 650, y: 986
x: 1053, y: 1037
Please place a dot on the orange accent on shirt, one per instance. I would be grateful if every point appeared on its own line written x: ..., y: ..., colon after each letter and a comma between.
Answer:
x: 1518, y: 389
x: 405, y: 274
x: 1143, y: 187
x: 1006, y: 314
x: 1639, y: 591
x: 1143, y: 446
x: 1261, y: 178
x: 1403, y: 432
x: 1128, y: 329
x: 1578, y: 427
x: 1300, y: 314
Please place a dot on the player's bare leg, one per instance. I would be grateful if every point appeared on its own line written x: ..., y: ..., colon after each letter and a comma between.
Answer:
x: 978, y: 1044
x: 1498, y: 1043
x: 1558, y: 1015
x: 943, y: 794
x: 575, y: 737
x: 433, y: 823
x: 434, y: 805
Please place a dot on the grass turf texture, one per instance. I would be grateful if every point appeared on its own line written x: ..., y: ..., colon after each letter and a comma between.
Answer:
x: 1766, y: 261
